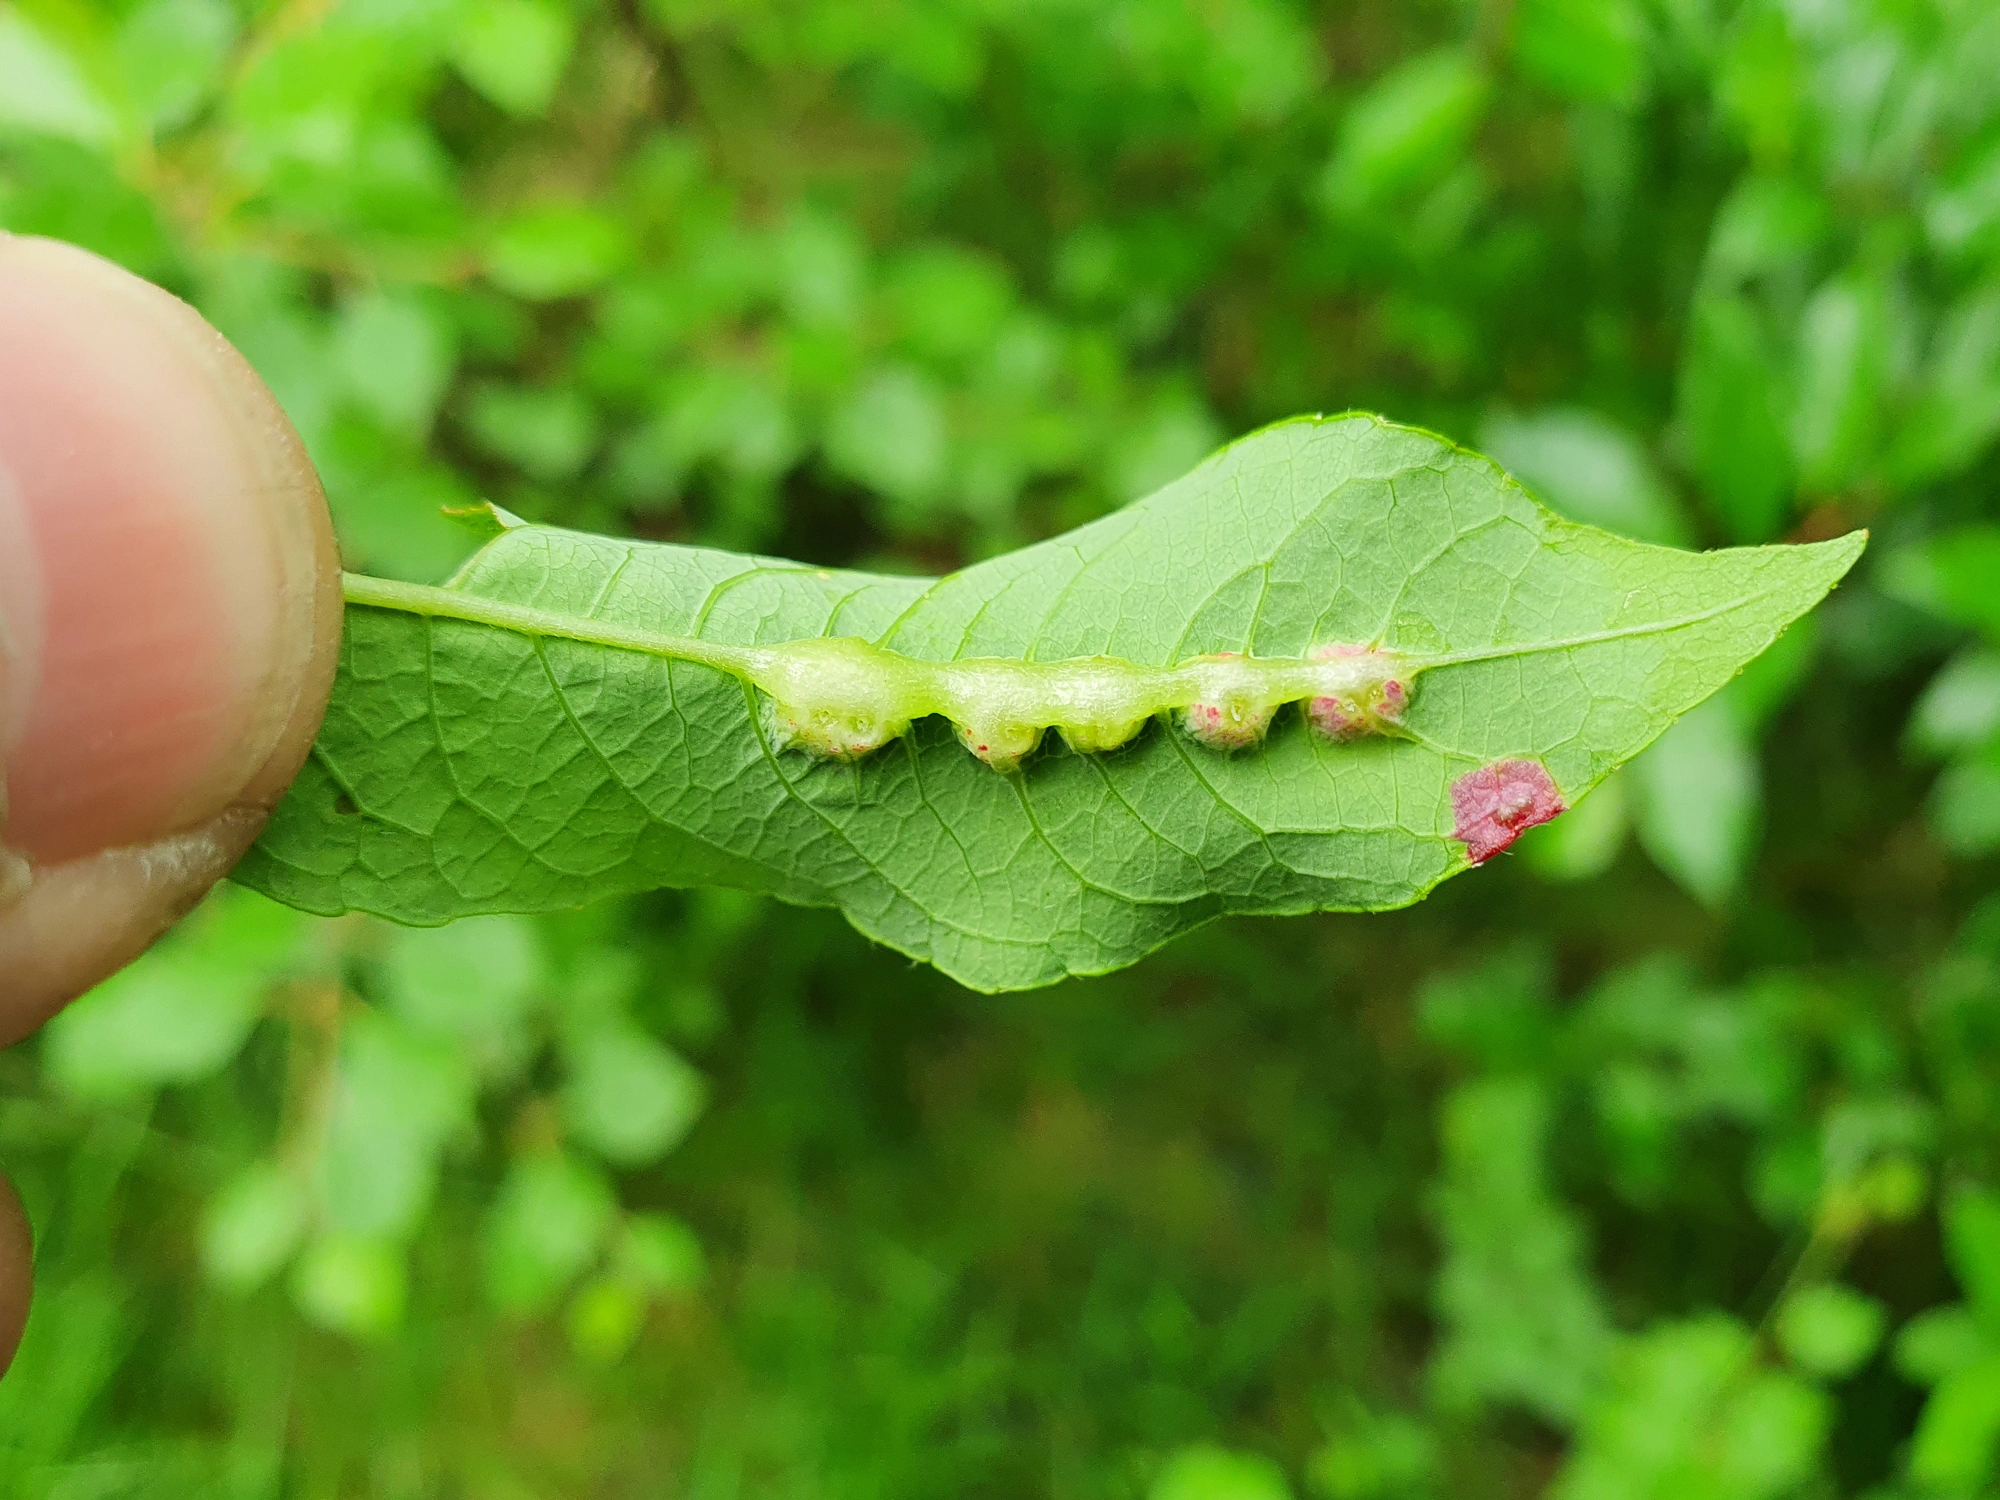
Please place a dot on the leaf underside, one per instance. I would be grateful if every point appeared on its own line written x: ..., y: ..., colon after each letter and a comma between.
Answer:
x: 468, y: 769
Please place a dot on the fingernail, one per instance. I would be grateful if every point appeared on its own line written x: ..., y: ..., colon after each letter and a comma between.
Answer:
x: 180, y: 544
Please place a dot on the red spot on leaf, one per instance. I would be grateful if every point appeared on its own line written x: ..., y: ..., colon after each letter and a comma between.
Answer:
x: 1496, y: 804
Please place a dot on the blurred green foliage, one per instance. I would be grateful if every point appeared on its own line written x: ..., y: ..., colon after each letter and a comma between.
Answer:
x: 1659, y: 1162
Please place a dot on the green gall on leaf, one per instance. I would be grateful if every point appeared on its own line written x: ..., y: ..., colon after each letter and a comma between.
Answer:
x: 836, y: 698
x: 575, y: 717
x: 843, y: 698
x: 1101, y: 736
x: 999, y: 744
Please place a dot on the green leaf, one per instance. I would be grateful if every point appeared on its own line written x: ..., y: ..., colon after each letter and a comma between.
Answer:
x: 514, y: 51
x: 629, y: 1098
x: 1588, y: 49
x: 473, y: 980
x: 253, y: 1226
x: 1687, y: 1413
x: 1964, y: 209
x: 1768, y: 225
x: 1390, y: 1457
x: 947, y: 302
x: 556, y: 250
x: 1160, y: 444
x: 714, y: 412
x: 353, y: 1286
x: 1523, y: 1324
x: 1960, y: 708
x: 891, y: 435
x: 79, y: 1335
x: 1497, y: 1014
x: 1957, y: 409
x: 1585, y: 842
x: 1260, y: 60
x: 392, y: 515
x: 397, y: 1099
x: 173, y: 54
x: 1959, y: 1430
x: 1589, y: 470
x: 1700, y: 795
x: 396, y: 356
x: 1972, y: 1234
x: 1843, y: 367
x: 180, y: 1013
x: 551, y: 1217
x: 1955, y: 574
x: 1729, y: 413
x: 1965, y: 805
x: 1769, y: 1436
x: 42, y: 88
x: 1939, y: 1343
x: 1210, y: 1473
x: 477, y: 767
x: 605, y: 1318
x: 1830, y: 1329
x: 1758, y: 81
x: 660, y: 1255
x: 1773, y: 679
x: 1412, y: 123
x: 822, y: 270
x: 549, y: 432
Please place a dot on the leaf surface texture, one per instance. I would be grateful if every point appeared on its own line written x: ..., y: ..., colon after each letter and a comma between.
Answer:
x: 466, y: 768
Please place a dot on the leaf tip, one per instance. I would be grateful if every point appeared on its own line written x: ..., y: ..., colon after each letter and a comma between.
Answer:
x: 1846, y: 549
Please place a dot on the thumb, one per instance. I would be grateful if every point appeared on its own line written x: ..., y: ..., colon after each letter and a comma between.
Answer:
x: 169, y: 619
x: 171, y: 598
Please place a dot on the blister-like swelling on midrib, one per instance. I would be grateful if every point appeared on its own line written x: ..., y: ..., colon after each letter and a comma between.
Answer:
x: 846, y: 698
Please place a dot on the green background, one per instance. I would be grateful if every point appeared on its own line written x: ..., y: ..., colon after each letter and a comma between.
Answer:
x: 1657, y: 1160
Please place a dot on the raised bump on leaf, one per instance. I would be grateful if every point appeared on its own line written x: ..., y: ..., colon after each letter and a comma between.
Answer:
x: 1372, y: 706
x: 1235, y: 709
x: 1496, y: 804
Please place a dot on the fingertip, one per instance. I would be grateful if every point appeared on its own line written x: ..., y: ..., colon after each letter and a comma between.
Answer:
x: 183, y: 552
x: 171, y: 598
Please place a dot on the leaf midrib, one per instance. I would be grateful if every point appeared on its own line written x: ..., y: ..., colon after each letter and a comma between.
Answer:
x: 430, y: 602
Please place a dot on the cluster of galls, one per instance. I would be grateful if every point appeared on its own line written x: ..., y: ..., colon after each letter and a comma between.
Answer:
x: 1004, y: 746
x: 1377, y: 709
x: 1240, y: 723
x: 857, y: 706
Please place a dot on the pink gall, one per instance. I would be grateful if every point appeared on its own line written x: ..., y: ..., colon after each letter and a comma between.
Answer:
x: 1496, y: 804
